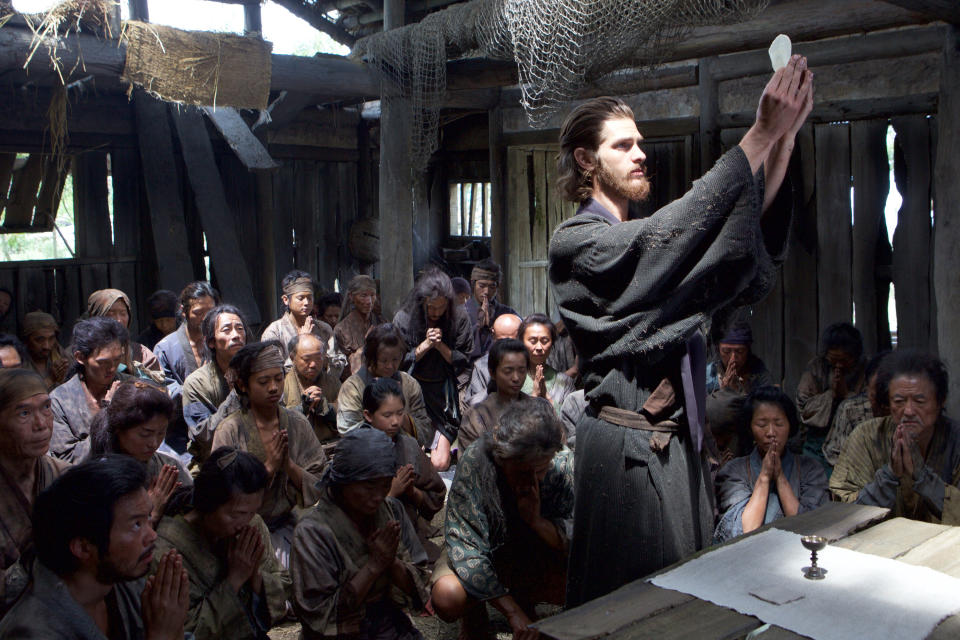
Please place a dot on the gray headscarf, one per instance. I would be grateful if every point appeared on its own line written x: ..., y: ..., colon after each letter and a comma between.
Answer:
x: 363, y: 454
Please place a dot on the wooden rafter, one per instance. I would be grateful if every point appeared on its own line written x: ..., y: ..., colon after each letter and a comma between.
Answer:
x: 946, y: 10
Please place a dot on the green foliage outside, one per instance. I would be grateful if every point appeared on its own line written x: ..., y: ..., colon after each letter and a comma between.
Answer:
x: 47, y: 245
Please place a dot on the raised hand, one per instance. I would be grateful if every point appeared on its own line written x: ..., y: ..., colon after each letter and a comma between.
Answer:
x: 308, y: 325
x: 315, y: 396
x: 402, y: 481
x: 784, y: 99
x: 539, y: 383
x: 383, y: 544
x: 161, y: 488
x: 771, y: 463
x: 244, y: 553
x: 276, y: 448
x: 483, y: 316
x: 165, y: 599
x: 838, y: 383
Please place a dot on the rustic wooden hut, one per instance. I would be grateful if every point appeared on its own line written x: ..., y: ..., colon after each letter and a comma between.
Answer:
x: 194, y: 185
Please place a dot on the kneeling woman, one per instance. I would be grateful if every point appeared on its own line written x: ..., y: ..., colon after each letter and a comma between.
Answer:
x: 356, y: 561
x: 237, y: 588
x: 417, y: 484
x: 281, y: 439
x: 507, y: 529
x: 770, y: 482
x: 134, y: 424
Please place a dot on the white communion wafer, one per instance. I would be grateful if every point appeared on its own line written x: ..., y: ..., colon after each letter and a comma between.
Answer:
x: 780, y: 52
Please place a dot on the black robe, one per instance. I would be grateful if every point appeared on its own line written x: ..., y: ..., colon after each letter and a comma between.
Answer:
x: 634, y: 296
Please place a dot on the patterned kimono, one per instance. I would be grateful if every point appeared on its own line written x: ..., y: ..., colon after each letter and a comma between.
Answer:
x: 737, y: 478
x: 16, y: 527
x: 488, y: 546
x: 328, y: 551
x: 47, y: 611
x: 282, y: 501
x: 863, y: 473
x: 216, y: 611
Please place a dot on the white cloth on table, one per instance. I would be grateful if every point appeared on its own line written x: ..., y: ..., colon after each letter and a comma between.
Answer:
x: 862, y: 596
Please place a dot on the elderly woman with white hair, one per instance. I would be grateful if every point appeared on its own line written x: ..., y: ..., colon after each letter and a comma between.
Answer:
x: 509, y: 513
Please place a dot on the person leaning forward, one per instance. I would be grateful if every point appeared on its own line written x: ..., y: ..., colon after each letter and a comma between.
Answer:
x: 634, y: 294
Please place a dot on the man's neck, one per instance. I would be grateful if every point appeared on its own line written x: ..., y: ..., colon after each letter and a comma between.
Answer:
x: 305, y: 381
x: 194, y: 333
x: 97, y: 391
x: 617, y: 205
x: 89, y: 594
x: 297, y: 321
x: 223, y: 360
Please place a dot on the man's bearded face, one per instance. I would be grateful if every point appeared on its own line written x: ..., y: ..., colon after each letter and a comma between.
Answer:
x: 620, y: 161
x: 624, y: 183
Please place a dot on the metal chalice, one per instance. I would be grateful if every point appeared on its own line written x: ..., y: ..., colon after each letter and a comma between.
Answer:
x: 814, y: 544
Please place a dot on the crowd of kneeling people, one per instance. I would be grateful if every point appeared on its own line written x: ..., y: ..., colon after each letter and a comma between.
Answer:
x: 197, y: 482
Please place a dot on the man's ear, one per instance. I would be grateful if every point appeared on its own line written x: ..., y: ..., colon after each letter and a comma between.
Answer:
x: 84, y: 550
x: 586, y: 159
x: 286, y: 300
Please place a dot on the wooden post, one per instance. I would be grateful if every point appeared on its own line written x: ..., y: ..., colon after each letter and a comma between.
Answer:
x: 139, y: 10
x: 396, y: 188
x: 834, y: 232
x: 709, y: 110
x: 871, y: 184
x: 252, y: 22
x: 90, y: 205
x: 946, y: 270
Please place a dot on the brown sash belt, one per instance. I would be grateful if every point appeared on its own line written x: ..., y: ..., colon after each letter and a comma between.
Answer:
x: 659, y: 440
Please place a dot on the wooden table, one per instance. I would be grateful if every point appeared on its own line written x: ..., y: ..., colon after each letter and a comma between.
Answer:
x: 642, y: 610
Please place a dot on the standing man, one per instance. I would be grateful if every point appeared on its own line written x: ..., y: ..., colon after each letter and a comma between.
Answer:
x: 634, y: 294
x: 39, y: 332
x: 483, y: 308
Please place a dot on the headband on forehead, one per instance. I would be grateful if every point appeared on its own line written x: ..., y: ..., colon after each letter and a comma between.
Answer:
x: 362, y: 283
x: 299, y: 285
x: 269, y: 358
x: 19, y: 384
x: 738, y: 334
x: 484, y: 274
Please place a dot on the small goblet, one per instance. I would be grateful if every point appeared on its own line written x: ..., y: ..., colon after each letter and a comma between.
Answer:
x: 814, y: 544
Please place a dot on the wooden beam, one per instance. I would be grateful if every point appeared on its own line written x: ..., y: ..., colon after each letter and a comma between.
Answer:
x: 946, y: 10
x: 219, y: 223
x: 834, y: 231
x: 252, y: 19
x: 90, y: 204
x: 708, y: 94
x: 139, y: 10
x: 164, y: 190
x: 235, y: 131
x: 396, y: 189
x: 947, y: 221
x: 316, y: 17
x: 23, y: 193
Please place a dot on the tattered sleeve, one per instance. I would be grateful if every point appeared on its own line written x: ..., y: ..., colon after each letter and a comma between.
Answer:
x: 734, y: 492
x: 863, y: 474
x: 349, y: 404
x: 645, y: 283
x: 815, y: 405
x: 467, y: 536
x: 306, y: 452
x: 320, y: 580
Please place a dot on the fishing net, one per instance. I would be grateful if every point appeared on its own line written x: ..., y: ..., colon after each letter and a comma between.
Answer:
x: 559, y: 46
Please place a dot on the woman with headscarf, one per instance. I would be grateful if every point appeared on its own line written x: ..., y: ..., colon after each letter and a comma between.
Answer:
x: 238, y: 590
x: 26, y: 424
x: 280, y: 438
x: 356, y: 318
x: 98, y: 352
x: 509, y: 518
x: 771, y: 482
x: 439, y: 337
x: 356, y: 562
x: 113, y: 303
x: 134, y: 424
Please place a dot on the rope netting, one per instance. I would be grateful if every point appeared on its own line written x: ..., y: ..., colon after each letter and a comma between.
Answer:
x: 560, y: 47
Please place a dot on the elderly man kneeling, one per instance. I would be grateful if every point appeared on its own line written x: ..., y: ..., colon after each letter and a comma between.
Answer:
x: 908, y: 461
